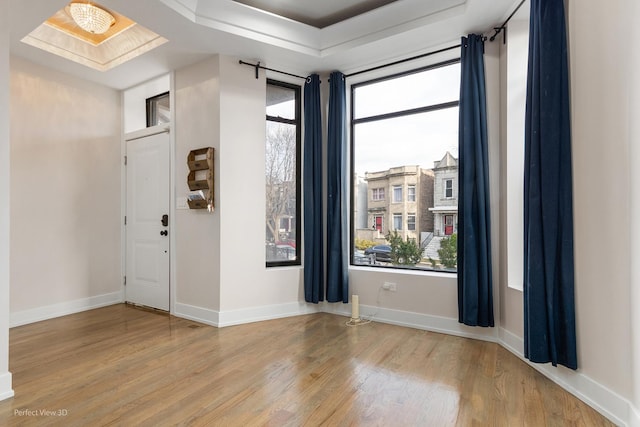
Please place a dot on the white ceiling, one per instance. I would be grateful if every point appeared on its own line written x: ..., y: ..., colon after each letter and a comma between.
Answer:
x: 197, y: 29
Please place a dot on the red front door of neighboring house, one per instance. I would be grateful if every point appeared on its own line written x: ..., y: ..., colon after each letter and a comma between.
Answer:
x: 378, y: 223
x: 448, y: 225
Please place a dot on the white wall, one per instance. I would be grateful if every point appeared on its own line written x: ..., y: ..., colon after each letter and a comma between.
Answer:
x: 197, y: 233
x: 5, y: 376
x: 65, y: 190
x: 511, y: 310
x: 516, y: 94
x: 633, y: 15
x: 242, y: 194
x: 600, y: 116
x: 221, y: 257
x: 245, y: 280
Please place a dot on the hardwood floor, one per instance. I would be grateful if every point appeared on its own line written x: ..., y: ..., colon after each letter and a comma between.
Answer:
x: 120, y: 365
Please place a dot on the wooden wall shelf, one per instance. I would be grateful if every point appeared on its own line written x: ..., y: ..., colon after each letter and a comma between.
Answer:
x: 200, y: 177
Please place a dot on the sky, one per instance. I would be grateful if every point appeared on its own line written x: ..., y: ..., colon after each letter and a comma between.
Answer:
x: 418, y: 139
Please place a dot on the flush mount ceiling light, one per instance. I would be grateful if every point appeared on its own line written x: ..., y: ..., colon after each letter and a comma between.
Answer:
x: 91, y: 18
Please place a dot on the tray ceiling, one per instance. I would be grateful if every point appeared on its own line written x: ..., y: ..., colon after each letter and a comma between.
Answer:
x: 318, y: 14
x: 300, y: 36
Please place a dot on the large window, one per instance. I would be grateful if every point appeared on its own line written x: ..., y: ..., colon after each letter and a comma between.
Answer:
x: 404, y: 135
x: 282, y: 174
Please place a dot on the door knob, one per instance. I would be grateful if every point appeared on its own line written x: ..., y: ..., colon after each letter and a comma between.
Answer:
x: 164, y: 233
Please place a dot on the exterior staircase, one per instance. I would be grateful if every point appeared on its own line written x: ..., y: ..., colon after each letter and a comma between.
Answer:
x: 431, y: 251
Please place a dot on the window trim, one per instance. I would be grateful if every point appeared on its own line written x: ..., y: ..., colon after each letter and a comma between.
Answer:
x: 409, y: 215
x: 393, y: 198
x: 377, y: 190
x: 297, y: 121
x: 445, y: 181
x: 414, y: 198
x: 152, y: 113
x: 397, y: 215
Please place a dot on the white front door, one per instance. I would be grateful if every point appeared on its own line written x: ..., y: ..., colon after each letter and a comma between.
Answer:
x: 147, y: 230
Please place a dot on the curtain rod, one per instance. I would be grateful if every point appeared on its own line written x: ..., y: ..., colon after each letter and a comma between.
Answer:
x: 258, y: 66
x: 499, y: 29
x: 424, y: 55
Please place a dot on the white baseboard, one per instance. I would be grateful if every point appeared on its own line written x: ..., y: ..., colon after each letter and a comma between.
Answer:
x: 221, y: 319
x: 613, y: 406
x: 197, y: 314
x: 409, y: 319
x: 20, y: 318
x: 512, y: 342
x: 268, y: 312
x: 6, y: 391
x: 634, y: 416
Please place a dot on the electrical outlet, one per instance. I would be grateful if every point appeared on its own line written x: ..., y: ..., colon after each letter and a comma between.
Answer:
x: 388, y: 286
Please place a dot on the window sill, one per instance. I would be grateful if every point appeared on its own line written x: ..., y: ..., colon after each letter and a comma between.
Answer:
x: 284, y: 267
x: 519, y: 289
x: 403, y: 271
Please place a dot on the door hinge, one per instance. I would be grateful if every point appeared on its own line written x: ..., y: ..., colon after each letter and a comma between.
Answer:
x: 125, y: 280
x: 125, y: 160
x: 125, y: 220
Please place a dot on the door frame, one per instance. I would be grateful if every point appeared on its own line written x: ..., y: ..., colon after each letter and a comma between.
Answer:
x: 444, y: 222
x: 165, y: 127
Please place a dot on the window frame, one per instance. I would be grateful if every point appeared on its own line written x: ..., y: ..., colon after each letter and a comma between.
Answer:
x: 297, y: 122
x: 394, y: 199
x: 411, y: 197
x: 446, y: 188
x: 379, y: 191
x: 151, y: 104
x: 409, y: 222
x: 353, y: 121
x: 394, y: 216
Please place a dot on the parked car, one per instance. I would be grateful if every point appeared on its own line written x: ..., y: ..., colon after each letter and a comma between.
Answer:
x: 382, y: 252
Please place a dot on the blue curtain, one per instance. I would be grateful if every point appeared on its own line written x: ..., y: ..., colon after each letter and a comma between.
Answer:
x: 475, y: 294
x: 337, y: 215
x: 312, y: 179
x: 549, y: 318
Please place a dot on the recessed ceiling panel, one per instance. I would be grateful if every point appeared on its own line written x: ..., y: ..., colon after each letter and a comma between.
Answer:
x: 124, y: 41
x: 316, y: 13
